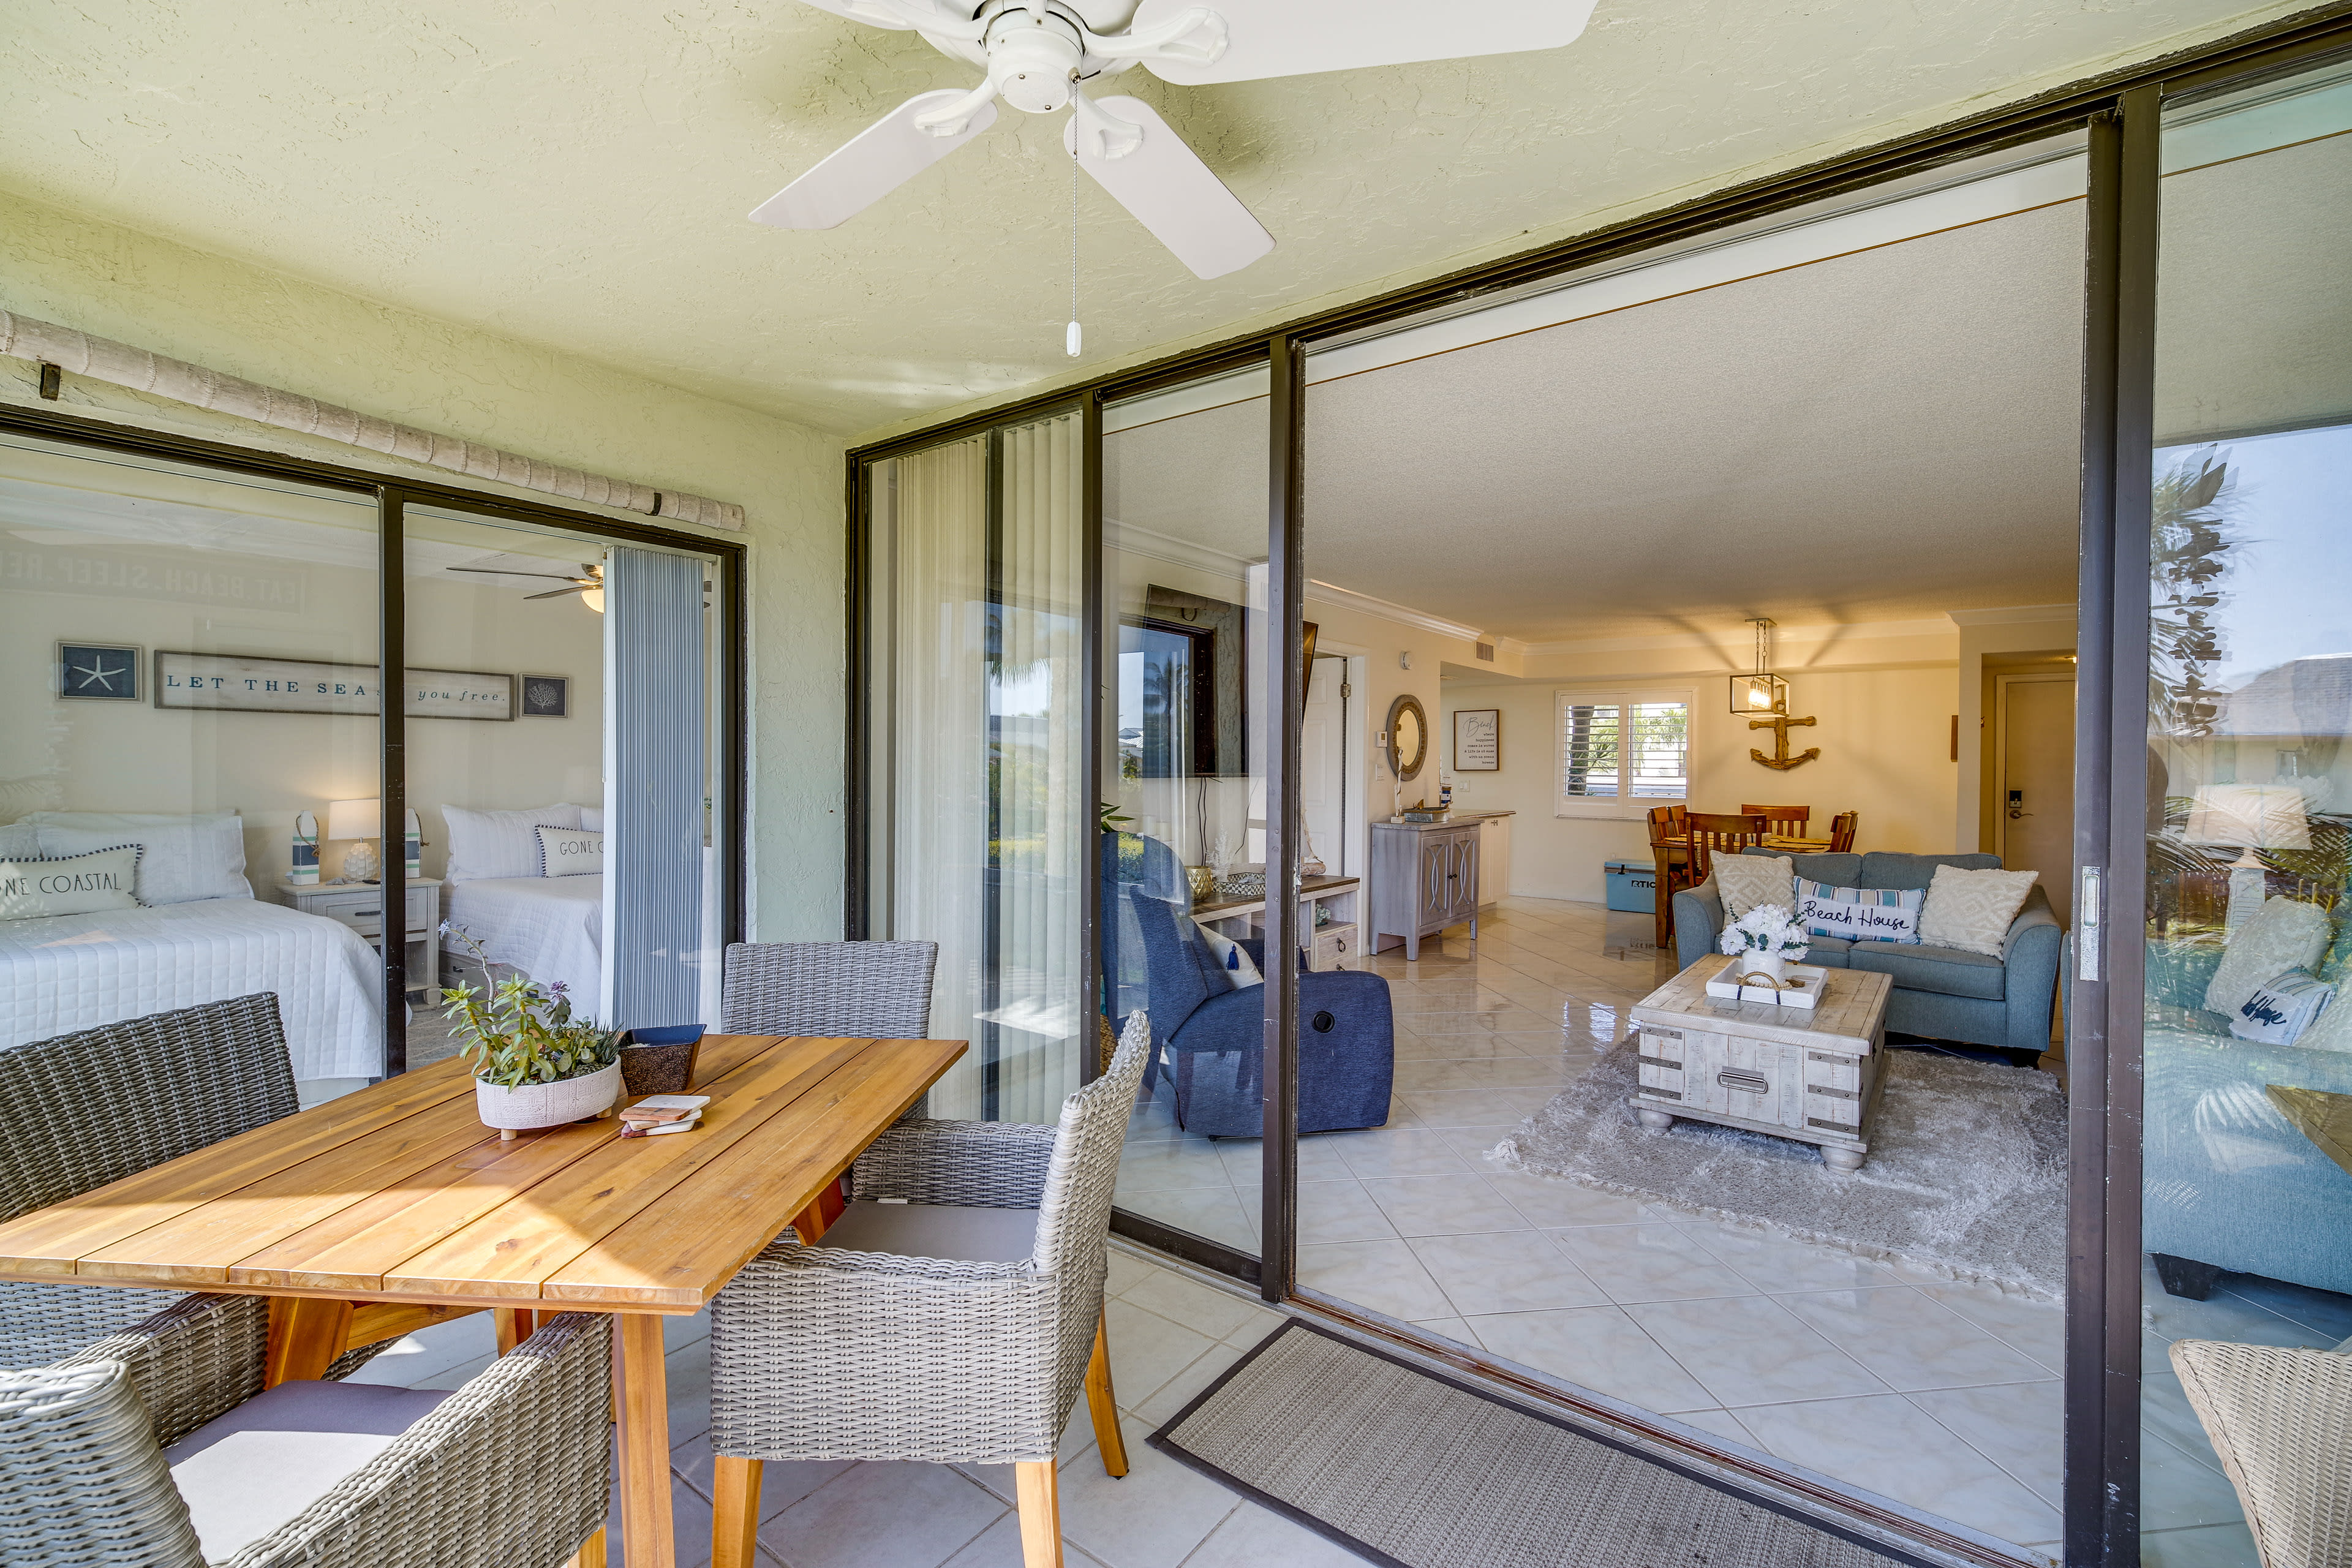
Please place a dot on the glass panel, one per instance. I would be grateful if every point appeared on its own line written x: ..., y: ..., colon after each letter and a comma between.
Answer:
x: 2248, y: 1181
x: 976, y: 615
x: 1588, y: 750
x: 192, y: 664
x: 1184, y: 487
x: 561, y: 772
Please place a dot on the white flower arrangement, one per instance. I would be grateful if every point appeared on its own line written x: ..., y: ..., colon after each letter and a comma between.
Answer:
x: 1768, y: 930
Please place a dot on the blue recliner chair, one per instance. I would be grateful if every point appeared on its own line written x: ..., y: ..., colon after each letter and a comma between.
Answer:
x: 1213, y: 1036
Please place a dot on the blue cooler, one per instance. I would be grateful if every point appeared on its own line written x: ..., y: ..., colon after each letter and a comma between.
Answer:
x: 1633, y: 885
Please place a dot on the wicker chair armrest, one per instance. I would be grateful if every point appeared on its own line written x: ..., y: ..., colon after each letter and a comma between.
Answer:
x: 968, y: 1165
x: 510, y: 1470
x: 198, y: 1358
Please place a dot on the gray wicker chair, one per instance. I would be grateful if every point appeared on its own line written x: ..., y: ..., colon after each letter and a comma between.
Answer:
x: 844, y: 990
x: 510, y: 1471
x: 2281, y: 1421
x: 90, y: 1108
x: 975, y: 1351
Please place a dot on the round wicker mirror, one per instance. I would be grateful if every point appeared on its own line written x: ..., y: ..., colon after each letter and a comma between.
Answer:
x: 1408, y: 737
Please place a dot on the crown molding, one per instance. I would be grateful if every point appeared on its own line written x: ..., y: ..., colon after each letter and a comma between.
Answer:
x: 1387, y: 610
x: 1130, y: 539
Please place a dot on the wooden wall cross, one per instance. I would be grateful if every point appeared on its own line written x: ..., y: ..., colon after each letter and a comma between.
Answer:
x: 1779, y: 724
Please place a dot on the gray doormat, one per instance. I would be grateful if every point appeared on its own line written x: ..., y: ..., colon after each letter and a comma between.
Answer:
x: 1967, y: 1173
x: 1415, y: 1471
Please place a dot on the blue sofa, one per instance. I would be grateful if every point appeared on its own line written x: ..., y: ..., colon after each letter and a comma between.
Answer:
x: 2229, y: 1183
x: 1942, y: 992
x: 1210, y: 1036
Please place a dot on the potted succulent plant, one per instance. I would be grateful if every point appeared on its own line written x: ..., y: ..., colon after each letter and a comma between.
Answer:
x: 534, y: 1064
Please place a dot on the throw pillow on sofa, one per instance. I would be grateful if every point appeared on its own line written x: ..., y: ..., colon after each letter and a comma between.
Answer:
x: 1233, y: 961
x: 1859, y: 914
x: 2281, y: 1009
x: 2284, y: 934
x: 2331, y: 1031
x: 1971, y: 910
x: 1751, y: 881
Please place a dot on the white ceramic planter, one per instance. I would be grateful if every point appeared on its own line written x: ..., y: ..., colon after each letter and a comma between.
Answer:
x: 1772, y: 964
x: 547, y: 1104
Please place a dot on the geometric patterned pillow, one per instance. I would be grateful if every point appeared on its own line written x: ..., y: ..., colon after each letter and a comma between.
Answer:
x: 1747, y: 881
x: 2284, y: 934
x: 1971, y: 910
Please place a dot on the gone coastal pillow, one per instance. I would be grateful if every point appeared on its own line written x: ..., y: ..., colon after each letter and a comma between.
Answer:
x: 1241, y: 969
x: 570, y: 852
x: 1751, y: 881
x: 1859, y: 914
x: 95, y: 883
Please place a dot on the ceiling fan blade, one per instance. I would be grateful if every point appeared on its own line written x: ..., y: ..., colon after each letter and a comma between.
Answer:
x: 1167, y: 190
x: 559, y: 592
x: 868, y: 166
x: 508, y: 572
x: 1298, y: 38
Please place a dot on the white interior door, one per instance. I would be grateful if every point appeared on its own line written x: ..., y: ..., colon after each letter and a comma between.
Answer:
x: 1322, y: 764
x: 2034, y: 815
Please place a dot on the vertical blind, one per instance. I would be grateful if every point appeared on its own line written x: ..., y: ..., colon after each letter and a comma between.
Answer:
x: 655, y: 753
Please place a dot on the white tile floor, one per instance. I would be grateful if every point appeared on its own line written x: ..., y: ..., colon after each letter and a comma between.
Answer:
x: 1170, y: 1337
x: 1943, y: 1398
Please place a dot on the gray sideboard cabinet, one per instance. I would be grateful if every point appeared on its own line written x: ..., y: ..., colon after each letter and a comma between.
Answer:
x: 1425, y: 878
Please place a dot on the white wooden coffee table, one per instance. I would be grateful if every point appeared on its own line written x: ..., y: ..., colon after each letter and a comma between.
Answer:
x: 1811, y: 1075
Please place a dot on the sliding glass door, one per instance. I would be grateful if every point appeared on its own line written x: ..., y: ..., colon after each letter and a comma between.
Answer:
x: 973, y: 637
x: 2246, y: 1195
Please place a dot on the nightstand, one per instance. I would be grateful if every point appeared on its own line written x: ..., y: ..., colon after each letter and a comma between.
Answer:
x: 360, y: 905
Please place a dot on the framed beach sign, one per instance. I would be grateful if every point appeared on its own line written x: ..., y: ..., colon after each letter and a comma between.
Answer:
x: 1477, y: 740
x: 241, y: 683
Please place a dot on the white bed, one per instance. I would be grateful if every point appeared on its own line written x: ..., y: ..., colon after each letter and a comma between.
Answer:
x: 550, y: 928
x: 76, y: 972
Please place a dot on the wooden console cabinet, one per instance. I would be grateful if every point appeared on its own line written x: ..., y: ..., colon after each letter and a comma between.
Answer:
x: 1425, y: 878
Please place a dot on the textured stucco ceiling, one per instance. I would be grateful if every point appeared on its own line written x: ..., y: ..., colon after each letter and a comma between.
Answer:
x: 577, y: 176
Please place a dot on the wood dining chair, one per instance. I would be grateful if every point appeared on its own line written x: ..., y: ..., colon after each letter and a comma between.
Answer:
x: 1671, y: 859
x: 1842, y: 828
x: 1781, y: 821
x: 1714, y: 833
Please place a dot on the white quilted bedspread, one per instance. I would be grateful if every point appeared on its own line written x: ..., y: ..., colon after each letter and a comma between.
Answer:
x: 550, y: 928
x: 77, y: 972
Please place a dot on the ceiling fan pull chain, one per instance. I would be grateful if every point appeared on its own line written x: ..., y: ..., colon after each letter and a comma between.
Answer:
x: 1074, y: 340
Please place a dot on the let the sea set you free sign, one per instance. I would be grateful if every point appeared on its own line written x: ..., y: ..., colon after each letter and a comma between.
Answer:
x: 237, y: 683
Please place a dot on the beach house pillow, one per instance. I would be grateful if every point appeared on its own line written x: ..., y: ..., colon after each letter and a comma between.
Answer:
x: 487, y: 844
x: 186, y: 857
x: 1971, y: 910
x: 2284, y: 934
x: 1748, y: 881
x: 89, y: 884
x: 1240, y: 969
x: 570, y: 852
x: 1858, y: 914
x: 2282, y: 1008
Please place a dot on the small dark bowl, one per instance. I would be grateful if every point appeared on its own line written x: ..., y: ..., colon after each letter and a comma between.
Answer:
x: 660, y: 1060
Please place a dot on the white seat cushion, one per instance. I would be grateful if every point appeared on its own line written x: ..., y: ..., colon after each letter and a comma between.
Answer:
x: 936, y: 1230
x: 248, y: 1472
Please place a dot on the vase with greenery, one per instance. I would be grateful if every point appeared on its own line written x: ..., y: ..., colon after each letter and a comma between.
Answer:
x: 534, y: 1064
x: 1763, y: 941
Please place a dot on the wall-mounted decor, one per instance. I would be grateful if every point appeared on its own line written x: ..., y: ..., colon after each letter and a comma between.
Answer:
x: 245, y: 684
x: 1477, y: 740
x: 545, y: 695
x: 1781, y: 761
x: 98, y: 672
x: 1408, y: 737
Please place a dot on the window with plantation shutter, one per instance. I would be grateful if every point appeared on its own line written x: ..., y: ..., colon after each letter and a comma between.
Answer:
x: 1623, y: 752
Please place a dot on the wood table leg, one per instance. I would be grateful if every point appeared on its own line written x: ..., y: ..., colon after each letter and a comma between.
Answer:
x: 306, y: 1335
x: 641, y: 1392
x: 734, y: 1511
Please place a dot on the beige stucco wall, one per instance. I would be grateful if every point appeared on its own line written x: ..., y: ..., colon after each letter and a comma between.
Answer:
x: 474, y: 382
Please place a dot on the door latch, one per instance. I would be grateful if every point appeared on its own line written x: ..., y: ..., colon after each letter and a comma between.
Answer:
x: 2090, y: 925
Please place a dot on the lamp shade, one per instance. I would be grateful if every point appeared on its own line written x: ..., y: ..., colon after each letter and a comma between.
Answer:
x: 2258, y: 816
x: 355, y: 819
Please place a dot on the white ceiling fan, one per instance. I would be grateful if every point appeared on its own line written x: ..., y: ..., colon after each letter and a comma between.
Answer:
x: 1042, y: 54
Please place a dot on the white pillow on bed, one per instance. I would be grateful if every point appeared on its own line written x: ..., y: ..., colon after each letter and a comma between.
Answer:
x: 591, y: 819
x: 185, y: 857
x: 492, y: 844
x: 20, y: 842
x: 570, y: 852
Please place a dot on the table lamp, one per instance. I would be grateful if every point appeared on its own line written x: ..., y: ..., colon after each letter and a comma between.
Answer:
x: 362, y: 820
x: 2253, y: 817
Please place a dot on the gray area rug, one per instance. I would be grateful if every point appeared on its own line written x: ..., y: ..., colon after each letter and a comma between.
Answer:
x: 1420, y: 1471
x: 1967, y: 1173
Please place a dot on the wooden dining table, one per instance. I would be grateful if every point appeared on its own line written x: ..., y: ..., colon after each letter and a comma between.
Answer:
x: 393, y: 1209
